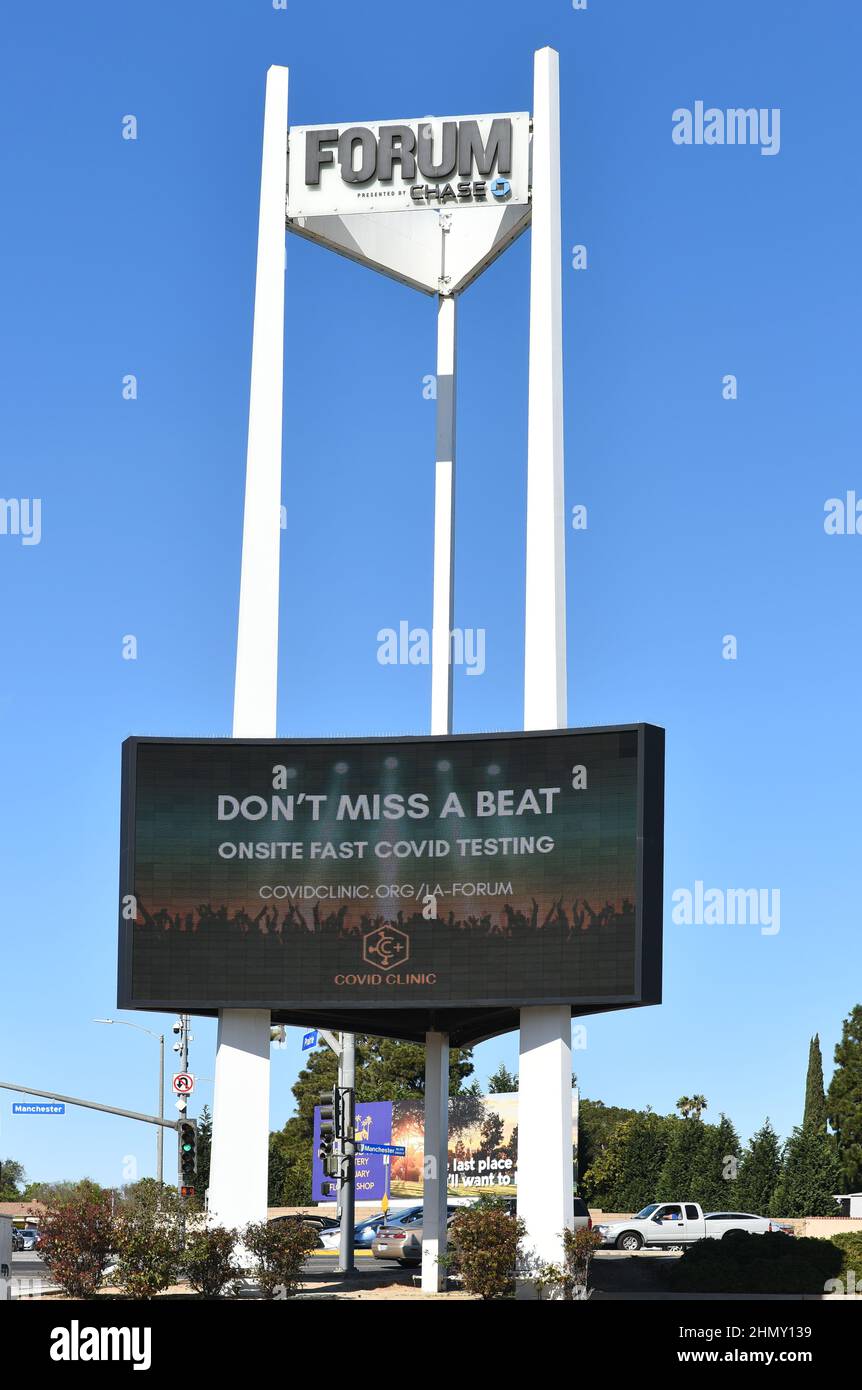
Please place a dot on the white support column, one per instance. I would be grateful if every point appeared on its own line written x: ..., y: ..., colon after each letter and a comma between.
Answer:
x: 545, y: 1129
x: 434, y: 1187
x: 545, y: 1083
x: 240, y: 1141
x: 545, y: 635
x: 444, y: 521
x: 256, y: 687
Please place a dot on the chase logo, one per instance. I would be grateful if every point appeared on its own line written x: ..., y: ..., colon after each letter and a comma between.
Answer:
x: 501, y: 189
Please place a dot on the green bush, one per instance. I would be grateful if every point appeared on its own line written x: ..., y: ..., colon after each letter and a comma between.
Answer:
x: 76, y: 1239
x: 850, y: 1245
x: 572, y: 1277
x: 280, y: 1249
x: 485, y: 1243
x: 745, y: 1263
x: 148, y: 1241
x: 209, y: 1262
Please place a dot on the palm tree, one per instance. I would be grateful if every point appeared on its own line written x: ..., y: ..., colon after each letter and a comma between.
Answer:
x: 691, y: 1105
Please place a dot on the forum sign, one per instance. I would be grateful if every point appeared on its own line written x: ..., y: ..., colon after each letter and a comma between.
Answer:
x: 466, y: 161
x: 392, y: 886
x: 429, y: 201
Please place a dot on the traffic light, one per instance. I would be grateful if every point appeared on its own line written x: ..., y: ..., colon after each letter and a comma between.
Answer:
x: 346, y: 1116
x: 187, y: 1134
x: 329, y: 1131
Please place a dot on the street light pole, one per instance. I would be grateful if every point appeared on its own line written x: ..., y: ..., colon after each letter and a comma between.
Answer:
x: 160, y: 1153
x: 160, y: 1134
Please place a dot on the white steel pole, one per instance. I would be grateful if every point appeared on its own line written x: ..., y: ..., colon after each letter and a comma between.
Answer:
x: 434, y: 1186
x: 444, y: 521
x: 240, y: 1137
x: 545, y: 1091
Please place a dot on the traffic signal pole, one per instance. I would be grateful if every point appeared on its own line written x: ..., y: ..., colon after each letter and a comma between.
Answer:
x: 347, y: 1173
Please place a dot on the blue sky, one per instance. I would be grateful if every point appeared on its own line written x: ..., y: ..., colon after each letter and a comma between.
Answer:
x: 705, y: 515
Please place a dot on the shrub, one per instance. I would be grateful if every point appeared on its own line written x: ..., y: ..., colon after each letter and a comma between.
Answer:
x: 745, y: 1263
x: 76, y: 1240
x: 149, y: 1248
x: 850, y: 1245
x: 209, y: 1261
x: 485, y: 1244
x: 572, y: 1277
x: 280, y: 1249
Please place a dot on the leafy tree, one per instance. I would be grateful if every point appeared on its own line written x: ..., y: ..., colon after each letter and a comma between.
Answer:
x: 844, y: 1101
x: 759, y: 1172
x: 810, y: 1176
x: 502, y: 1081
x: 596, y: 1124
x: 76, y: 1240
x: 627, y: 1172
x: 815, y: 1097
x: 55, y: 1193
x: 11, y: 1180
x: 204, y: 1150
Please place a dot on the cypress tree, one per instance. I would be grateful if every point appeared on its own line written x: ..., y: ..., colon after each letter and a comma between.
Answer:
x: 683, y: 1165
x: 810, y: 1176
x: 814, y: 1117
x: 713, y: 1182
x: 759, y: 1172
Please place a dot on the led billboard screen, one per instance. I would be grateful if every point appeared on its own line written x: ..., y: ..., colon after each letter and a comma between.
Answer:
x: 391, y: 886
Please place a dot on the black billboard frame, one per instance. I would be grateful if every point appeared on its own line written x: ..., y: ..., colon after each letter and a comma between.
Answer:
x: 466, y: 1024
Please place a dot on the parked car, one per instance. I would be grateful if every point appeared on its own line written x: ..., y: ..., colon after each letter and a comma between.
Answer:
x: 402, y: 1240
x: 318, y: 1224
x: 366, y: 1229
x: 582, y: 1218
x: 681, y: 1223
x: 25, y: 1238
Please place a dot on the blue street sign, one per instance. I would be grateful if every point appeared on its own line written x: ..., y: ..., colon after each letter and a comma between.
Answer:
x: 309, y: 1040
x: 394, y: 1150
x: 35, y: 1108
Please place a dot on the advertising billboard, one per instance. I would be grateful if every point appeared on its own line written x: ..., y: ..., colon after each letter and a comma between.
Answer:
x: 483, y: 1148
x: 373, y: 1126
x: 392, y: 886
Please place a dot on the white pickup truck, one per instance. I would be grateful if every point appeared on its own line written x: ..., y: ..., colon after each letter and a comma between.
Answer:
x: 682, y: 1223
